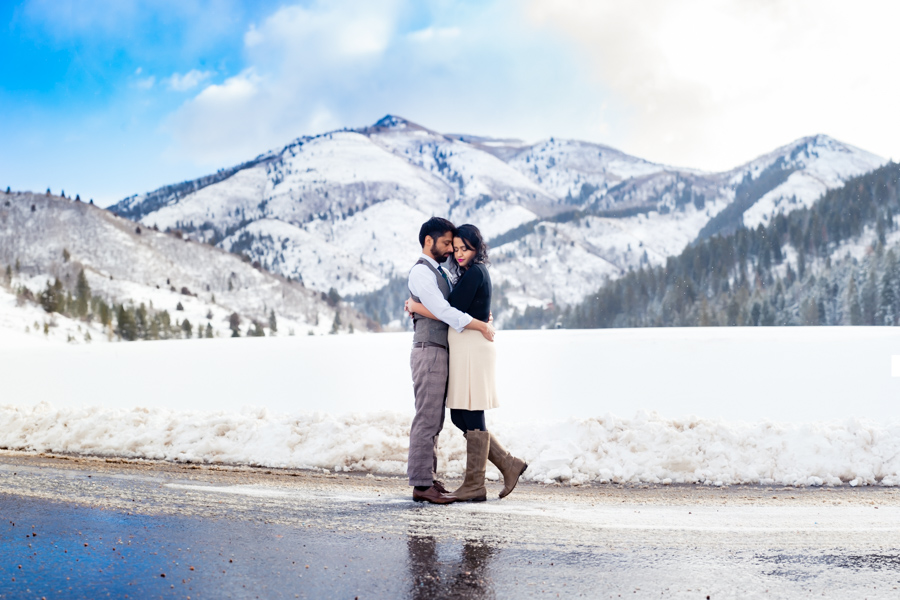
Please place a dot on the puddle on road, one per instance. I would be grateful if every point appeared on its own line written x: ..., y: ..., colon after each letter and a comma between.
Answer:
x: 805, y: 567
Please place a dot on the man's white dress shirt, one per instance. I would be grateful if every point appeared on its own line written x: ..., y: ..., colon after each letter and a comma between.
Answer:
x: 424, y: 286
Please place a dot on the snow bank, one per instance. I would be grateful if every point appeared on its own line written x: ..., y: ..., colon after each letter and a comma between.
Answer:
x: 648, y: 448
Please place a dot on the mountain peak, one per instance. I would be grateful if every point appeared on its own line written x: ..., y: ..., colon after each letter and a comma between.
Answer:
x: 392, y: 122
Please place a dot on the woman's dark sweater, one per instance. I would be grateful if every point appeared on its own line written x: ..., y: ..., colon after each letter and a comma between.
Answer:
x: 472, y: 293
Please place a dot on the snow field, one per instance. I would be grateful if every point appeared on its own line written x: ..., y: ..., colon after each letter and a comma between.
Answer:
x: 792, y: 406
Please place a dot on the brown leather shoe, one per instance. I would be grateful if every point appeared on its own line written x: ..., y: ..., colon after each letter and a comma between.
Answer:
x: 432, y: 495
x: 439, y: 486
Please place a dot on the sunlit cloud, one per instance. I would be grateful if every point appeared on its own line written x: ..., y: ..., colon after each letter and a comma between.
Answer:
x: 711, y: 84
x: 187, y: 81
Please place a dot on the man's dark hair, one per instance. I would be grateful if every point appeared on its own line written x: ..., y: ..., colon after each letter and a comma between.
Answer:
x: 435, y: 227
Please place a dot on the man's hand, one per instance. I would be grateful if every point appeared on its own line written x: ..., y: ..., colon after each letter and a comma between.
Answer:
x: 491, y: 317
x: 487, y: 330
x: 406, y: 308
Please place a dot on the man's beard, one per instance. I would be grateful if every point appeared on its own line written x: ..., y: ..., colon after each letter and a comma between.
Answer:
x: 438, y: 256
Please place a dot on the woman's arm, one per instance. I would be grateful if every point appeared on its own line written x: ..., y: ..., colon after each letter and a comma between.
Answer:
x: 486, y: 329
x: 412, y: 306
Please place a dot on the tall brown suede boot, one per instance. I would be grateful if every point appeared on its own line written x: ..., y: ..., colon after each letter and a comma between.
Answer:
x: 509, y: 466
x: 473, y: 488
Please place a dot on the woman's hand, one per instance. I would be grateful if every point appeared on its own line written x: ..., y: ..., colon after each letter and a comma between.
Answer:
x: 411, y: 306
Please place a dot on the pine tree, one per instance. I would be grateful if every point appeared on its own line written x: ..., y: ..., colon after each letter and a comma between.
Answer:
x: 234, y: 322
x: 52, y: 299
x: 856, y: 317
x: 336, y: 326
x: 142, y: 321
x: 125, y: 324
x: 8, y: 275
x: 187, y: 328
x: 886, y: 309
x: 755, y: 313
x: 82, y: 295
x: 209, y: 331
x: 165, y: 322
x: 870, y: 299
x: 333, y: 298
x: 767, y: 319
x: 273, y: 322
x: 732, y: 312
x: 103, y: 312
x: 153, y: 333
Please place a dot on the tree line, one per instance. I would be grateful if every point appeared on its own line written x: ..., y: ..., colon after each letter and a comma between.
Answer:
x: 129, y: 322
x: 834, y: 263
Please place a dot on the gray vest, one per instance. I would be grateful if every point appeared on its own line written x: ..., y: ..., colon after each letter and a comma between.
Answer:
x: 425, y: 329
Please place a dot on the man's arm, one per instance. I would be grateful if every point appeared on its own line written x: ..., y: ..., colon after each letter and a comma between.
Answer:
x: 486, y: 329
x: 423, y: 285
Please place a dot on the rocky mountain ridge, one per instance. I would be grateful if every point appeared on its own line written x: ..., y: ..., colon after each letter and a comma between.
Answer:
x: 342, y: 209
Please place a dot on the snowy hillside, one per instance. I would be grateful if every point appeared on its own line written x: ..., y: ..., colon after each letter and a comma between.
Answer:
x: 815, y: 164
x: 577, y: 170
x: 44, y: 238
x: 342, y: 209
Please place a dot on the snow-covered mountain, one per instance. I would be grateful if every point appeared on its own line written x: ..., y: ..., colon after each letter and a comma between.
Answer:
x: 44, y: 238
x: 342, y: 209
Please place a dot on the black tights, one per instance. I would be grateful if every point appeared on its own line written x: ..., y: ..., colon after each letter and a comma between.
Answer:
x: 468, y: 420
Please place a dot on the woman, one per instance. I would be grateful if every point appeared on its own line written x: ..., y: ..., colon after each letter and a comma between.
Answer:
x: 470, y: 388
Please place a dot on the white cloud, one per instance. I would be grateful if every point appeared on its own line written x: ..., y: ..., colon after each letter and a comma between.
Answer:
x: 188, y: 81
x: 713, y: 83
x: 298, y: 56
x: 699, y: 83
x: 434, y: 33
x: 324, y: 31
x: 477, y: 68
x: 146, y: 83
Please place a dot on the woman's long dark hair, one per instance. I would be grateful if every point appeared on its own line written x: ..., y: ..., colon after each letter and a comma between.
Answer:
x: 471, y: 237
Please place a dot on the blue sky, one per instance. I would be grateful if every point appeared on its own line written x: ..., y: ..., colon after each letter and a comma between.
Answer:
x: 106, y: 98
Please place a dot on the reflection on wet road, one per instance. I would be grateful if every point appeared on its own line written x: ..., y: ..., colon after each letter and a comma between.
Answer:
x: 72, y: 529
x: 465, y: 574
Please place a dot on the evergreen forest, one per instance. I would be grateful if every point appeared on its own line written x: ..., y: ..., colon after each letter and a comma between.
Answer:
x: 834, y: 263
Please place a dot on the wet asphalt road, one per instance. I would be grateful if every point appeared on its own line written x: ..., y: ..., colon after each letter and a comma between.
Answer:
x: 85, y: 528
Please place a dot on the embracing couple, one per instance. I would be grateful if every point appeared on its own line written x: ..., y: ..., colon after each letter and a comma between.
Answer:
x: 453, y: 362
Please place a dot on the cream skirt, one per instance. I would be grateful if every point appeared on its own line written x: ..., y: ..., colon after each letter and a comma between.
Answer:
x: 473, y: 359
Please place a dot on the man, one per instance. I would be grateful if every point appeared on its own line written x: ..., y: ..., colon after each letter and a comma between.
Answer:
x: 430, y: 360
